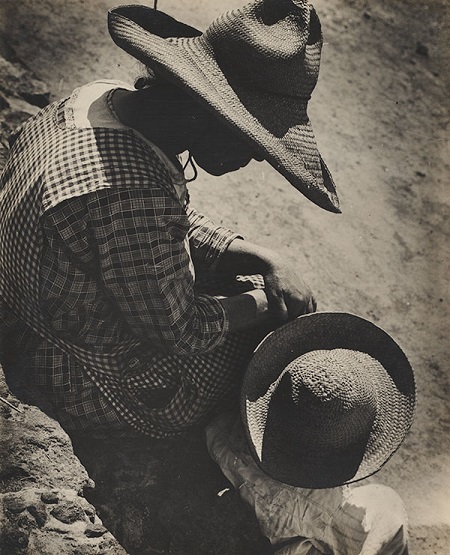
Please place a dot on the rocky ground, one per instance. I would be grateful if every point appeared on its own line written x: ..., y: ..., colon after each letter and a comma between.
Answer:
x: 43, y: 506
x: 380, y: 113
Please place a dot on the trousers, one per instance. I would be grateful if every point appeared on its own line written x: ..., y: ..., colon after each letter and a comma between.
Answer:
x: 347, y: 520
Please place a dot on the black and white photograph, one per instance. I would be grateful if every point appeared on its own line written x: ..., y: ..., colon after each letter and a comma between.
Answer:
x: 224, y: 264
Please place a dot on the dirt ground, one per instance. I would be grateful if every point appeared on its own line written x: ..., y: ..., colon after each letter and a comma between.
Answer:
x: 380, y: 114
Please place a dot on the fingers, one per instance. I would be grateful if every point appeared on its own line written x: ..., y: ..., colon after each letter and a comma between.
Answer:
x: 311, y: 305
x: 285, y: 308
x: 277, y: 307
x: 288, y: 296
x: 300, y: 306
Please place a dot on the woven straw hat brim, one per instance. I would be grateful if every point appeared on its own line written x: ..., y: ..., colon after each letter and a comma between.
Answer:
x: 336, y: 330
x: 286, y: 138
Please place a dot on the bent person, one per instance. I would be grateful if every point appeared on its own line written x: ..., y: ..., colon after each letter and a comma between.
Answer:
x: 123, y: 305
x: 118, y: 291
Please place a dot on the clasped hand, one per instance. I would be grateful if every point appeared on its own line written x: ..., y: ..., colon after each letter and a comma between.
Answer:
x: 285, y: 295
x: 288, y: 295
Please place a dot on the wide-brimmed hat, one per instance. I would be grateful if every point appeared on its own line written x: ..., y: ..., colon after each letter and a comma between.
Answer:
x: 326, y: 400
x: 254, y: 67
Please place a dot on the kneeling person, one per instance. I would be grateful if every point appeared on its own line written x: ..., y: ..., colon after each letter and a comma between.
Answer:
x: 326, y: 401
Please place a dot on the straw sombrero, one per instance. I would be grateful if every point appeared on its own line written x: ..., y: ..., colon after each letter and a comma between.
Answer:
x: 326, y: 400
x: 254, y: 67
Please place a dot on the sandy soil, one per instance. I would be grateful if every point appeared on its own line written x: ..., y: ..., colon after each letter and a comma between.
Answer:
x: 380, y: 113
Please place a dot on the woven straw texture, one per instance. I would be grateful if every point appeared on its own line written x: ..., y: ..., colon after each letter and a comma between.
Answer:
x: 254, y: 67
x: 327, y: 400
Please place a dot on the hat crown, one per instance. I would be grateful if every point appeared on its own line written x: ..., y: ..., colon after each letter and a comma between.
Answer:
x: 322, y: 410
x: 333, y: 402
x: 272, y: 45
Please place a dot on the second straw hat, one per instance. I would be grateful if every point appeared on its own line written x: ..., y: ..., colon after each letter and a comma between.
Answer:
x: 326, y: 400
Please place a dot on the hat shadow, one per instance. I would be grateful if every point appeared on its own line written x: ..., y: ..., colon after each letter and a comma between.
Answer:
x: 304, y: 444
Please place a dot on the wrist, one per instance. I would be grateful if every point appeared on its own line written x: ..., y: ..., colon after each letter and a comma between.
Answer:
x: 246, y: 310
x: 261, y: 303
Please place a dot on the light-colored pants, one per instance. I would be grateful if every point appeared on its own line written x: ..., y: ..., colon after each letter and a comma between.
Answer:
x: 347, y: 520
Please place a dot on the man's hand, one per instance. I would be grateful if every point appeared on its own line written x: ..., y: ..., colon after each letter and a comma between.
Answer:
x: 288, y: 295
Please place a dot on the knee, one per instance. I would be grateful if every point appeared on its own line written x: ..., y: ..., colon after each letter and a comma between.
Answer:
x: 385, y: 522
x: 379, y: 501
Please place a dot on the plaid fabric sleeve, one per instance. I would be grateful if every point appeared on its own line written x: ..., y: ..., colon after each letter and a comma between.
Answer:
x: 208, y: 241
x: 145, y: 265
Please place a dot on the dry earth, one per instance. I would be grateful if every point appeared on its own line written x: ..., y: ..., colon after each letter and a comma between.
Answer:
x: 380, y: 113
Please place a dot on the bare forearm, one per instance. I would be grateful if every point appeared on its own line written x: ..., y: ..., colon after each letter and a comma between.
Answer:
x: 245, y: 258
x: 246, y: 310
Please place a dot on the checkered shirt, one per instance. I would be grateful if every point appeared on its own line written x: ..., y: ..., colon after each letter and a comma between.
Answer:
x: 95, y: 280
